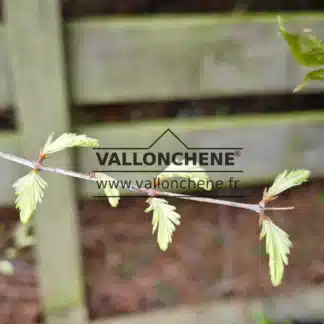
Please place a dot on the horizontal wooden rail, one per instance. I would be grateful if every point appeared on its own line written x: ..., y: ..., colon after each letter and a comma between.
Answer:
x: 303, y: 305
x: 172, y: 57
x: 270, y: 144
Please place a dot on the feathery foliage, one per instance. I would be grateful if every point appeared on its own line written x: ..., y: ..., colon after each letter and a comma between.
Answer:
x: 277, y: 247
x: 30, y: 191
x: 67, y: 140
x: 164, y: 220
x: 286, y: 180
x: 110, y: 189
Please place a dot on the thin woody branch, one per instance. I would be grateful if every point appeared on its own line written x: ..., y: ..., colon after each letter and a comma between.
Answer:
x: 37, y: 165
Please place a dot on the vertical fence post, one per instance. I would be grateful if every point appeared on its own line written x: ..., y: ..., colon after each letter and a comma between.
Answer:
x: 34, y: 35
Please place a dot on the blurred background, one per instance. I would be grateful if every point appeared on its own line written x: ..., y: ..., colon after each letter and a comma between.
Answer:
x: 137, y: 68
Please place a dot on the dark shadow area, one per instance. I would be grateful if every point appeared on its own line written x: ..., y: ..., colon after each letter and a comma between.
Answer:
x: 73, y: 9
x: 81, y: 8
x: 227, y: 106
x: 7, y: 119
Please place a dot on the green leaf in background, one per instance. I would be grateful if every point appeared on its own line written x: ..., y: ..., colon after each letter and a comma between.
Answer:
x: 164, y: 220
x: 321, y: 198
x: 67, y: 140
x: 277, y: 247
x: 310, y: 76
x: 110, y: 189
x: 190, y: 171
x: 29, y: 191
x: 6, y: 268
x: 286, y: 180
x: 306, y: 49
x: 261, y: 318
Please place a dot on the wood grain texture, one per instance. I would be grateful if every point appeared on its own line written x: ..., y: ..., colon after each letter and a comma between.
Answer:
x: 136, y: 59
x: 118, y: 60
x: 38, y: 70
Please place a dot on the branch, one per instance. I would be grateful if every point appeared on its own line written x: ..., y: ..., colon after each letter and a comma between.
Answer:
x: 17, y: 159
x: 29, y: 190
x: 254, y: 207
x: 33, y: 165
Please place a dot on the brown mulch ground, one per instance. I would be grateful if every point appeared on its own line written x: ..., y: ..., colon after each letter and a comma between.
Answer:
x: 216, y: 253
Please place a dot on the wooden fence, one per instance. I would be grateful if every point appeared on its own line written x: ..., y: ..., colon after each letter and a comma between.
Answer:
x: 44, y: 68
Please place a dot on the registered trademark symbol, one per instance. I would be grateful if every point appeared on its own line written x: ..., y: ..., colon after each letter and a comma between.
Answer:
x: 237, y: 153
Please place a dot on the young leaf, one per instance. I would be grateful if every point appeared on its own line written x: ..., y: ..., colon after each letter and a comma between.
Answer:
x: 277, y: 247
x: 286, y: 180
x: 313, y: 75
x: 110, y: 187
x: 164, y: 220
x: 29, y: 191
x: 307, y: 50
x: 190, y: 171
x: 67, y: 140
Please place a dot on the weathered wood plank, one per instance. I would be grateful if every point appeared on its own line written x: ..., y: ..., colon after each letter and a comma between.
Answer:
x: 37, y: 65
x: 134, y: 59
x: 303, y: 305
x: 6, y: 90
x: 189, y: 57
x: 270, y: 145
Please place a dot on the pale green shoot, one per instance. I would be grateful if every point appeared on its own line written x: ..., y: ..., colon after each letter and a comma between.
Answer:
x: 67, y: 140
x: 29, y: 191
x: 277, y: 247
x: 110, y: 189
x: 164, y: 220
x: 191, y: 171
x: 312, y: 75
x: 286, y: 180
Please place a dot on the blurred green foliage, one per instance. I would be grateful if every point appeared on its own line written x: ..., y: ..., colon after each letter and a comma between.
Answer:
x: 307, y: 50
